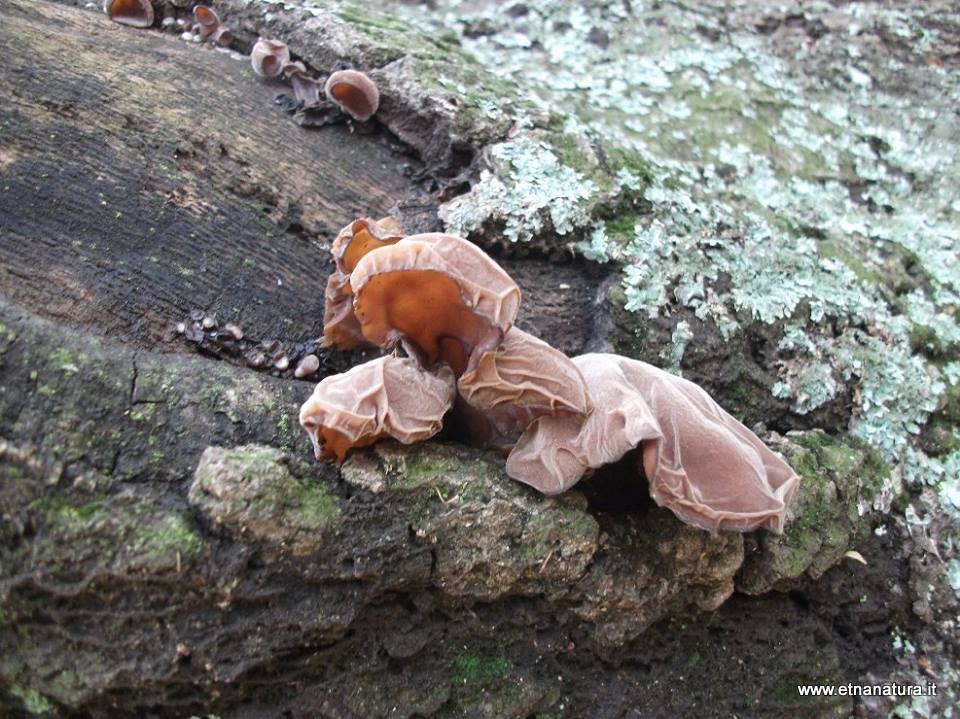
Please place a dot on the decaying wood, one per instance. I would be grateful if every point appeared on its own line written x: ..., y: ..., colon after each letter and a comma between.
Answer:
x: 144, y: 177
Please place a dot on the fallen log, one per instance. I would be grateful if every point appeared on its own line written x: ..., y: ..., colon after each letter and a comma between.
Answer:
x: 166, y: 546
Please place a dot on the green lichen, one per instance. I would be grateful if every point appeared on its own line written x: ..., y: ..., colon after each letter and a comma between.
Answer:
x: 755, y: 191
x: 528, y: 188
x: 554, y: 182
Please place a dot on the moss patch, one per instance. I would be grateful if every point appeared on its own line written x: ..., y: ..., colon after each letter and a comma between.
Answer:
x: 259, y: 492
x: 477, y: 668
x: 316, y: 506
x: 839, y: 477
x: 166, y: 538
x: 34, y: 703
x: 123, y: 532
x: 63, y: 516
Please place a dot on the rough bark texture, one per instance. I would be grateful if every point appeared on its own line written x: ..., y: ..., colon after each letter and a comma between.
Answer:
x: 134, y: 194
x: 166, y: 549
x: 258, y: 572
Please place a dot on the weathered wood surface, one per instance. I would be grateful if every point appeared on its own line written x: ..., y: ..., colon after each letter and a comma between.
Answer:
x: 142, y: 177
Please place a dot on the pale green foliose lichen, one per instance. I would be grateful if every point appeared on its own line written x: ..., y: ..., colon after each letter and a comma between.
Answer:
x: 527, y: 185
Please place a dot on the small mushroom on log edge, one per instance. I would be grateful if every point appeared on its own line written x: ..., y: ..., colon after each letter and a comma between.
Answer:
x: 133, y: 13
x: 452, y: 308
x: 316, y: 102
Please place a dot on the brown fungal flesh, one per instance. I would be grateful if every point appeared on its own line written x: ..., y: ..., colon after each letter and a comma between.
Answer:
x: 425, y: 308
x: 206, y: 16
x: 522, y: 379
x: 268, y: 57
x: 439, y: 295
x: 700, y: 462
x: 306, y: 89
x: 341, y: 329
x: 134, y: 13
x: 356, y: 93
x: 363, y: 236
x: 222, y: 36
x: 208, y: 23
x: 386, y: 397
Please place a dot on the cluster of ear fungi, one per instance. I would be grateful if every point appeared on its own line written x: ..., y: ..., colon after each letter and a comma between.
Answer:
x: 345, y: 90
x: 205, y: 27
x: 451, y: 309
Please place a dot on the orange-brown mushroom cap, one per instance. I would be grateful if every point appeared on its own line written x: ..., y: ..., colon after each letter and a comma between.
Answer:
x: 386, y: 397
x: 222, y: 36
x: 208, y: 20
x: 440, y: 295
x: 206, y: 16
x: 356, y: 93
x: 268, y: 57
x: 341, y: 329
x: 701, y: 463
x: 363, y: 236
x: 134, y: 13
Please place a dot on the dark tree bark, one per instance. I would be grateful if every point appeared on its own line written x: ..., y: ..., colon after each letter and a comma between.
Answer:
x: 144, y: 177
